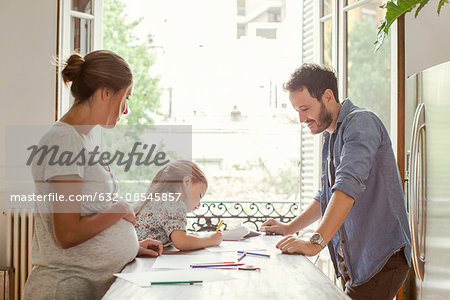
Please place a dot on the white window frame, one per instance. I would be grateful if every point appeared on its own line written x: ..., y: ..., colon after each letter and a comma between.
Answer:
x: 394, y: 70
x: 64, y: 99
x: 312, y: 178
x: 339, y: 57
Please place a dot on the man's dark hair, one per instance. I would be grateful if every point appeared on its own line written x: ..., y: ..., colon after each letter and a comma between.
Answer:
x: 315, y: 78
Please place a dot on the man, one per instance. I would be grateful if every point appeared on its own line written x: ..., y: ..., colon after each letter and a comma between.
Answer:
x: 361, y: 203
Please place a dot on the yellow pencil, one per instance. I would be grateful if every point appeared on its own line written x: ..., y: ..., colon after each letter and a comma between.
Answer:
x: 218, y: 226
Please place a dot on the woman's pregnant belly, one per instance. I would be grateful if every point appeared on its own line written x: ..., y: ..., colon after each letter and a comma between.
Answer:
x: 109, y: 251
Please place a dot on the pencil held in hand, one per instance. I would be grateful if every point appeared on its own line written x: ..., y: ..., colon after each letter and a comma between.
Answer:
x: 218, y: 226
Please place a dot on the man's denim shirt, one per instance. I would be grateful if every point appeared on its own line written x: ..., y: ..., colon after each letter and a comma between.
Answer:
x: 365, y: 169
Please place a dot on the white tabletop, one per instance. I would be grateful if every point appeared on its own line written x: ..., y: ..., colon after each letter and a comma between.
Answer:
x: 282, y: 276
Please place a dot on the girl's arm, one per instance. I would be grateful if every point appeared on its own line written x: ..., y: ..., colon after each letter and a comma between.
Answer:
x: 186, y: 241
x: 70, y: 228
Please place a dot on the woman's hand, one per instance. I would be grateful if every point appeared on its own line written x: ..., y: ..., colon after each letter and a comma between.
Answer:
x: 150, y: 247
x: 128, y: 212
x: 72, y: 229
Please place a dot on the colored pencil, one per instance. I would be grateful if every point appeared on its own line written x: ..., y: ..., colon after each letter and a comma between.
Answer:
x: 215, y: 266
x: 216, y: 263
x: 252, y: 253
x: 218, y: 226
x: 242, y: 256
x: 177, y: 282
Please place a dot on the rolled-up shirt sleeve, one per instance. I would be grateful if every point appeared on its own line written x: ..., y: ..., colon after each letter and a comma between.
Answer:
x: 361, y: 140
x: 318, y: 195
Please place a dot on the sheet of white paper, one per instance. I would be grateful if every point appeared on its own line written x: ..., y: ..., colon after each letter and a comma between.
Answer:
x: 228, y: 246
x: 236, y: 233
x: 144, y: 279
x: 185, y: 261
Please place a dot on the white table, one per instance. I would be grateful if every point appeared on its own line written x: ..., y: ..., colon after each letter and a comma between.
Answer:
x: 282, y: 276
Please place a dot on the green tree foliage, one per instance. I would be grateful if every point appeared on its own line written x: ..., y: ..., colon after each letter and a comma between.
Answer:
x: 369, y: 73
x: 118, y: 37
x: 144, y: 101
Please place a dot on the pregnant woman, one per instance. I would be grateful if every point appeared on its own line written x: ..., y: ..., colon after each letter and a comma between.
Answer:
x: 78, y: 245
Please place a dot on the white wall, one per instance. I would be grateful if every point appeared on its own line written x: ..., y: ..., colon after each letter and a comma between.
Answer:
x: 427, y: 41
x: 28, y: 31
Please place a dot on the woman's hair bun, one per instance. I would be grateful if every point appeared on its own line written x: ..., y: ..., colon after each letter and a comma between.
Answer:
x: 73, y: 67
x: 98, y: 69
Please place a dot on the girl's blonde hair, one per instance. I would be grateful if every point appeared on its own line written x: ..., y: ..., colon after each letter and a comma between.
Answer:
x: 170, y: 179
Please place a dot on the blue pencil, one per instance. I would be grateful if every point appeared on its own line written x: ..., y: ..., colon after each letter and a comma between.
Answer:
x: 252, y: 253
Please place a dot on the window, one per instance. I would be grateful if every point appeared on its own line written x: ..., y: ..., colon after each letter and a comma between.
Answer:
x: 80, y: 30
x: 367, y: 80
x: 240, y: 30
x: 260, y: 18
x: 81, y: 26
x: 326, y: 26
x: 241, y: 7
x: 274, y: 14
x: 268, y: 33
x: 341, y: 36
x: 245, y: 134
x: 347, y: 32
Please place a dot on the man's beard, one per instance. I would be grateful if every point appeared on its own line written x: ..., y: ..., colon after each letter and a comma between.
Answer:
x: 324, y: 121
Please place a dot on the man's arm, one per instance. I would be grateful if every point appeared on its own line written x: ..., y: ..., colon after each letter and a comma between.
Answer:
x: 306, y: 218
x: 335, y: 214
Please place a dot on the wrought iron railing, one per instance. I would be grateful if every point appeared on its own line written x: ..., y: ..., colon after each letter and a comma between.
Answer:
x: 251, y: 213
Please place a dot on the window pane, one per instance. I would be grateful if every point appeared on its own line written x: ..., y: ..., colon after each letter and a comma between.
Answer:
x: 274, y: 14
x: 327, y: 41
x: 268, y: 33
x: 369, y: 74
x: 241, y: 7
x: 82, y: 6
x: 240, y: 30
x: 327, y: 7
x: 81, y: 35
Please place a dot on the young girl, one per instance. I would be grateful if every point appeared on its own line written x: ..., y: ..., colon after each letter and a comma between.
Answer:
x: 176, y: 190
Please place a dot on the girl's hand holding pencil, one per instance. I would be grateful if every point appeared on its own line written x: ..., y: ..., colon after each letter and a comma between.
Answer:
x: 218, y: 226
x: 217, y: 238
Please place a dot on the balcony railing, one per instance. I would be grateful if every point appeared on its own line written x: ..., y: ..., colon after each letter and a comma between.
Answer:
x: 251, y: 213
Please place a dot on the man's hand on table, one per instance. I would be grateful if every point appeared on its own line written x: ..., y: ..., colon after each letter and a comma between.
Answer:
x: 150, y: 247
x: 293, y: 245
x: 272, y: 226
